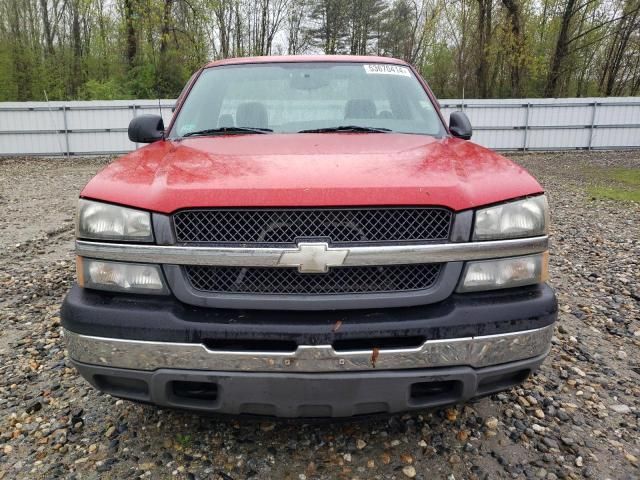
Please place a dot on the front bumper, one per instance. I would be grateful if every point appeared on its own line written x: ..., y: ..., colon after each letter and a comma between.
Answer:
x: 289, y: 395
x: 475, y: 352
x: 328, y: 363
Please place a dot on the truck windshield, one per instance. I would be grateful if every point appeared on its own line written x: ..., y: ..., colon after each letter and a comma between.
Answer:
x: 307, y: 97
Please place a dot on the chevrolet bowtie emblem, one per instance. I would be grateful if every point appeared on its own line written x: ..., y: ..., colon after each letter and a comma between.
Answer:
x: 313, y: 257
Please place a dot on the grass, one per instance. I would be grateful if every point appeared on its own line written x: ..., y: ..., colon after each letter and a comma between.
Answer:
x: 621, y: 184
x: 630, y: 176
x: 183, y: 440
x: 616, y: 193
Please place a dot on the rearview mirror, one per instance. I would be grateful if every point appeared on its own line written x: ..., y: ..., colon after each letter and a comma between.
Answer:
x: 308, y: 80
x: 460, y: 126
x: 146, y: 129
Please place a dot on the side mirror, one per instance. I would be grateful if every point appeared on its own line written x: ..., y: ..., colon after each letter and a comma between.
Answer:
x: 460, y: 126
x: 146, y: 129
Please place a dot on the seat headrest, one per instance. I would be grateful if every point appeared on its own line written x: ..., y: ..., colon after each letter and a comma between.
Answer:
x: 226, y: 120
x: 360, y: 108
x: 252, y: 114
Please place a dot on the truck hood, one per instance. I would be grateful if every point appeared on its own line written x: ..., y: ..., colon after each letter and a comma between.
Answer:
x: 342, y: 169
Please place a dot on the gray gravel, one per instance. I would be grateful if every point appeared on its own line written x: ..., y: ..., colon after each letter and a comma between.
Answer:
x: 578, y: 418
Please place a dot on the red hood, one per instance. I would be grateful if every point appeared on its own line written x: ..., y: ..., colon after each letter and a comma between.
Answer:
x: 310, y: 170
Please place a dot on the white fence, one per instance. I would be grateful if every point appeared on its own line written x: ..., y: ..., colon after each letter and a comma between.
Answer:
x: 553, y: 123
x: 72, y: 128
x: 100, y: 127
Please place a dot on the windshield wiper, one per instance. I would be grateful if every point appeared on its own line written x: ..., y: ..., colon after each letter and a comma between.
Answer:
x: 223, y: 130
x: 347, y: 128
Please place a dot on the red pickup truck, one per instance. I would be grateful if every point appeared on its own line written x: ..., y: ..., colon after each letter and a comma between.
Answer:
x: 309, y: 238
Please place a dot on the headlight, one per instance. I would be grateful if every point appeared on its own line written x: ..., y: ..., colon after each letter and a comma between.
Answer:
x: 102, y: 221
x: 522, y: 218
x: 505, y: 273
x: 120, y: 277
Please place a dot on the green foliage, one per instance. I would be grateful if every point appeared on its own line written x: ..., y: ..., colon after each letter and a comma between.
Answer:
x: 141, y: 81
x: 183, y: 440
x: 8, y: 87
x: 92, y: 49
x: 111, y: 89
x: 171, y: 75
x: 441, y: 71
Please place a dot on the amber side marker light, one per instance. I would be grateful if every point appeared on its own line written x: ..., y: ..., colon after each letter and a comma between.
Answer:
x: 79, y: 271
x: 544, y: 275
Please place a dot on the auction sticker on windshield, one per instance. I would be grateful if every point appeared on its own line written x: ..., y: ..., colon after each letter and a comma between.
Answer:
x: 387, y: 69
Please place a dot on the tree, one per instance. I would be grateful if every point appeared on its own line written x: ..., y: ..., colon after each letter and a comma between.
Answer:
x: 132, y: 39
x: 516, y: 46
x: 298, y: 38
x: 364, y: 22
x: 561, y: 50
x: 612, y: 80
x: 485, y: 10
x: 398, y: 31
x: 480, y: 48
x: 589, y: 30
x: 330, y: 31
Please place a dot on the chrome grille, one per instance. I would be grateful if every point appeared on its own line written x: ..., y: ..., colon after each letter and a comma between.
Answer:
x: 337, y: 225
x: 339, y: 280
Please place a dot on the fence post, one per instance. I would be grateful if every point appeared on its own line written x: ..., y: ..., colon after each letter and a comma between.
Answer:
x: 526, y: 129
x: 66, y: 129
x: 593, y: 121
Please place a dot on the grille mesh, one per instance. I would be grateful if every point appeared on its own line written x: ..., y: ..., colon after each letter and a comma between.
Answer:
x: 285, y: 226
x: 369, y: 279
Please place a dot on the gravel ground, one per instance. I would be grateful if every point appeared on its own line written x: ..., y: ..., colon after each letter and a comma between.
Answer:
x: 578, y: 417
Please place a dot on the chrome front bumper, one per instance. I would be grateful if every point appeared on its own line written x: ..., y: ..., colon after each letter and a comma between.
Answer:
x: 476, y: 352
